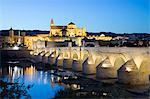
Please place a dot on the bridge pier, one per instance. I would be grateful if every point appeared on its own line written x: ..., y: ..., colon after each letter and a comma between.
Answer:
x: 32, y: 54
x: 38, y: 58
x: 106, y: 70
x: 67, y: 63
x: 77, y: 65
x: 45, y: 58
x: 133, y: 78
x: 88, y: 68
x: 51, y: 60
x: 59, y: 62
x: 129, y: 74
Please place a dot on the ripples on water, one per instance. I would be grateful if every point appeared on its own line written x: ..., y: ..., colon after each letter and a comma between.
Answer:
x: 43, y: 82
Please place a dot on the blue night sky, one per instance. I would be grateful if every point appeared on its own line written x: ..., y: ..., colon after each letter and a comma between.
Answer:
x: 96, y: 15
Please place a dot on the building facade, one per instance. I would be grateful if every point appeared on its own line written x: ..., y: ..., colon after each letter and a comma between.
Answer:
x: 70, y: 30
x: 57, y: 35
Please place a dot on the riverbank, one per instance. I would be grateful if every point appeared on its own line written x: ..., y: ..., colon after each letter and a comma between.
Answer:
x: 81, y: 86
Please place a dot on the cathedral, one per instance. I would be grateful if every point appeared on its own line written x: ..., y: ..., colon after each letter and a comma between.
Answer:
x: 69, y: 30
x: 57, y: 34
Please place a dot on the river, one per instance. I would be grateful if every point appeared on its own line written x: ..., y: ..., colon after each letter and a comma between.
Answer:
x: 43, y: 81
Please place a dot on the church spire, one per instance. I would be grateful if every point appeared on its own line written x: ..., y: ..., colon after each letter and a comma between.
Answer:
x: 52, y: 22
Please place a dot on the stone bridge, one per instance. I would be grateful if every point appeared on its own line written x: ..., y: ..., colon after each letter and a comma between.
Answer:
x: 128, y: 65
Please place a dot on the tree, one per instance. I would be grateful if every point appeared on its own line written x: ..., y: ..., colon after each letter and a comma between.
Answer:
x: 13, y: 90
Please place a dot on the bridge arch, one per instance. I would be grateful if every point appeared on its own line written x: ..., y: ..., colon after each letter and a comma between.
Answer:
x: 138, y: 59
x: 119, y: 61
x: 99, y: 57
x: 66, y: 54
x: 85, y: 54
x: 60, y: 55
x: 53, y: 54
x: 42, y: 53
x: 75, y: 56
x: 46, y: 53
x: 145, y: 66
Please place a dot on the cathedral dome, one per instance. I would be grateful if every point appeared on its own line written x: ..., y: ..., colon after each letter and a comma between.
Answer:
x: 71, y: 23
x: 11, y: 28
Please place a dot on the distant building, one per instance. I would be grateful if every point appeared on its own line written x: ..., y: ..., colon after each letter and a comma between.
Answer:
x: 12, y: 37
x: 99, y: 36
x: 60, y: 36
x: 69, y: 30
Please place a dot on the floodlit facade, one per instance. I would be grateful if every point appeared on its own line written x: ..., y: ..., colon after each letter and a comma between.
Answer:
x: 58, y: 33
x: 102, y: 37
x: 70, y: 30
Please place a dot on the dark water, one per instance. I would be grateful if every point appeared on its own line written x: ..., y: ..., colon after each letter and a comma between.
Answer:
x: 44, y: 85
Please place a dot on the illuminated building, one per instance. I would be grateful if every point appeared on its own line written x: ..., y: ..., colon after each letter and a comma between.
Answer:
x: 16, y: 37
x: 66, y: 31
x: 57, y: 35
x: 99, y: 36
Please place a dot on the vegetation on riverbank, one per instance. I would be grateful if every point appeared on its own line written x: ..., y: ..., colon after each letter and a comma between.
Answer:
x: 13, y: 90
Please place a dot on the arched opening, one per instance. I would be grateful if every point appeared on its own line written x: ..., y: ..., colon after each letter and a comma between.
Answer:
x: 75, y: 56
x: 125, y: 56
x: 138, y: 60
x: 98, y: 60
x: 119, y: 61
x: 53, y: 54
x: 66, y: 55
x: 32, y: 52
x: 42, y: 53
x: 90, y: 60
x: 60, y: 56
x: 145, y: 66
x: 85, y: 56
x: 47, y: 54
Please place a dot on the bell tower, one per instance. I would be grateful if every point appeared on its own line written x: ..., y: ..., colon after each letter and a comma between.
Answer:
x: 11, y: 36
x: 52, y: 22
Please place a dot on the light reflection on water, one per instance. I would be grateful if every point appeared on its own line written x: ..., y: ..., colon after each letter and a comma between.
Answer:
x: 43, y: 82
x: 47, y: 85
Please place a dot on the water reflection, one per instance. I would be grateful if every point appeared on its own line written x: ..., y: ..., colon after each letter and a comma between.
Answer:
x: 44, y: 82
x: 47, y: 84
